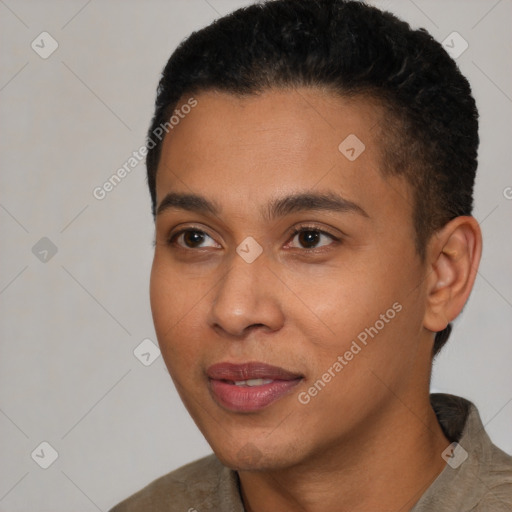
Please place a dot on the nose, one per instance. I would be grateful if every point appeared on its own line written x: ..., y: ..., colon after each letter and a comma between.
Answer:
x: 247, y: 297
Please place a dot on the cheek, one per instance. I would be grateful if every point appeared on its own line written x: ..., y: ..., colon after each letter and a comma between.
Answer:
x: 335, y: 303
x: 370, y: 300
x: 176, y: 300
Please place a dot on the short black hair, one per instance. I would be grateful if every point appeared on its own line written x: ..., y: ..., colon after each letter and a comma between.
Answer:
x: 430, y: 133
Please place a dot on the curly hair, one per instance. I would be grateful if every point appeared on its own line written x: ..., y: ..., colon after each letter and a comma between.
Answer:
x: 352, y: 49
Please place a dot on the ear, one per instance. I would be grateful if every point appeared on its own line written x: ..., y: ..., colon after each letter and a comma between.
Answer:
x: 453, y: 256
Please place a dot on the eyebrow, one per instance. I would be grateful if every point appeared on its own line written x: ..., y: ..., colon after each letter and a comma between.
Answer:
x: 278, y: 207
x: 310, y: 201
x: 188, y: 202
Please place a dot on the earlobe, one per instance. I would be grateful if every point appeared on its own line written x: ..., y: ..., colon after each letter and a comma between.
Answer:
x: 453, y: 254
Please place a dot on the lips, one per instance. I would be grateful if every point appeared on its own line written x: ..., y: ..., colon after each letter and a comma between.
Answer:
x: 251, y: 386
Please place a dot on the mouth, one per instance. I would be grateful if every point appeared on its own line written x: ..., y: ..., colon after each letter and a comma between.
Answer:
x: 250, y: 386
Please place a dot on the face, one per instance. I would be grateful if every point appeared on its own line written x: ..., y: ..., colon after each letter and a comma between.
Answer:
x: 286, y: 291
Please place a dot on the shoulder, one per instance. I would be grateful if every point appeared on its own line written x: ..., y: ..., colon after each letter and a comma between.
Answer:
x: 183, y: 489
x: 497, y: 499
x: 497, y: 479
x: 479, y: 482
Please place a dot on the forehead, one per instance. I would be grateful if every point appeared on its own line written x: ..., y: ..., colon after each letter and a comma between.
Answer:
x: 240, y: 151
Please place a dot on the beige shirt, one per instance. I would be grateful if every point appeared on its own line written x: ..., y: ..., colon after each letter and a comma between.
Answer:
x: 482, y: 482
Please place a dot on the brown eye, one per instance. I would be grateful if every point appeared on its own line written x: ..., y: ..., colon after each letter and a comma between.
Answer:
x: 308, y: 239
x: 311, y: 238
x: 194, y: 239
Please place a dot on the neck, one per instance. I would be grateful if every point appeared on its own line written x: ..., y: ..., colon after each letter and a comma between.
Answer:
x: 385, y: 467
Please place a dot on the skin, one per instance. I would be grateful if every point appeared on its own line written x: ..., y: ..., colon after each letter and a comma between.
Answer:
x: 369, y: 440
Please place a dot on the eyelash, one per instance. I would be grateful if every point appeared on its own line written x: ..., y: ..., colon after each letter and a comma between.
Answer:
x: 308, y: 228
x: 291, y: 235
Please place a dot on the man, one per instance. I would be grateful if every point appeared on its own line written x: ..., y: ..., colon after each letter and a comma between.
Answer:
x: 312, y: 199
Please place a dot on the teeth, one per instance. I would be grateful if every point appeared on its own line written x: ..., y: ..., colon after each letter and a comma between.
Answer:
x: 253, y: 382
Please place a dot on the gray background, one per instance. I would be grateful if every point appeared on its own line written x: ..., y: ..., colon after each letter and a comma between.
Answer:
x: 70, y: 324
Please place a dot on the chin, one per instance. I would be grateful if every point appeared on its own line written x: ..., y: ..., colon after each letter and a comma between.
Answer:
x: 256, y: 457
